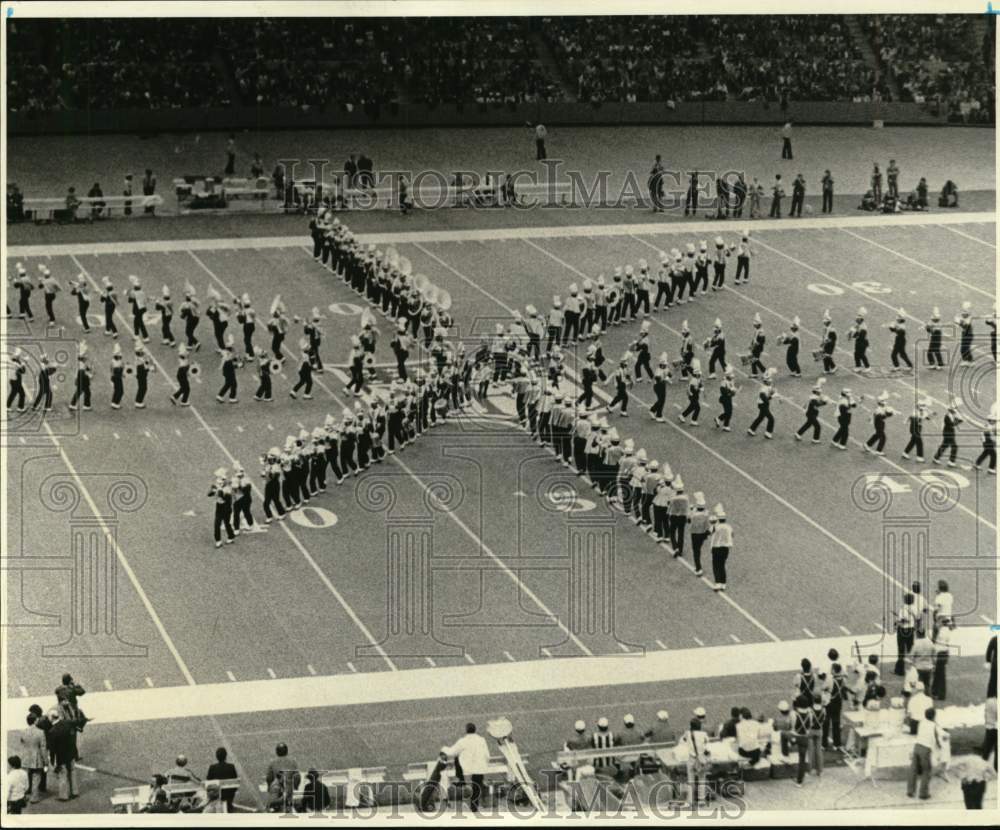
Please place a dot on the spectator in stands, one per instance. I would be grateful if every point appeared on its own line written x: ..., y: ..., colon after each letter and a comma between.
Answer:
x: 929, y: 736
x: 942, y: 649
x: 17, y: 788
x: 34, y: 756
x: 827, y: 192
x: 783, y: 725
x: 798, y: 195
x: 989, y: 747
x: 892, y: 178
x: 728, y: 728
x: 256, y: 167
x: 61, y: 742
x: 43, y: 723
x: 800, y: 736
x: 160, y: 803
x: 278, y: 177
x: 149, y: 189
x: 747, y: 737
x: 127, y: 191
x: 282, y: 778
x: 919, y: 703
x: 15, y: 203
x: 213, y: 800
x: 949, y: 195
x: 923, y: 659
x: 756, y: 195
x: 72, y: 204
x: 223, y: 770
x: 540, y: 135
x: 97, y: 206
x: 786, y: 141
x: 868, y: 201
x: 230, y: 155
x: 350, y: 171
x: 805, y: 681
x: 694, y: 744
x: 315, y: 796
x: 366, y: 175
x: 876, y: 182
x: 702, y: 716
x: 834, y: 707
x: 922, y: 203
x: 777, y: 194
x: 472, y: 759
x: 661, y: 731
x: 179, y: 773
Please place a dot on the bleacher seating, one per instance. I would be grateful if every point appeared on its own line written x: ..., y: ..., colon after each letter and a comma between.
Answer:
x: 367, y: 64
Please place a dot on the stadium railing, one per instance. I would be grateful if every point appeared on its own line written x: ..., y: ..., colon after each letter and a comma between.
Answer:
x: 49, y: 209
x: 133, y: 799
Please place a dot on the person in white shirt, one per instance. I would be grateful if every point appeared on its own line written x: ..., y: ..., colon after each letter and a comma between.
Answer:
x: 472, y: 759
x: 918, y: 705
x: 540, y: 135
x: 942, y: 647
x: 748, y: 737
x: 693, y: 748
x: 921, y: 762
x: 943, y: 602
x: 17, y: 786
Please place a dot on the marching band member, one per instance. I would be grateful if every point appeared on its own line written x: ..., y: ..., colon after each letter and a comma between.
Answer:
x: 581, y: 433
x: 661, y: 510
x: 611, y: 458
x: 829, y: 345
x: 662, y: 377
x: 189, y: 314
x: 137, y: 299
x: 743, y: 253
x: 935, y: 357
x: 622, y: 383
x: 22, y: 282
x: 15, y: 380
x: 642, y: 285
x: 81, y: 291
x: 619, y: 486
x: 678, y: 279
x: 845, y: 410
x: 650, y: 485
x: 317, y: 462
x: 305, y: 372
x: 557, y: 368
x: 727, y: 391
x: 278, y: 326
x: 356, y: 361
x: 615, y: 296
x: 791, y: 342
x: 183, y: 391
x: 535, y: 327
x: 545, y: 417
x: 678, y: 512
x: 640, y: 347
x: 228, y: 367
x: 588, y: 377
x: 117, y: 377
x: 628, y: 296
x: 110, y: 303
x: 271, y: 472
x: 859, y: 334
x: 989, y: 453
x: 701, y: 269
x: 694, y: 390
x: 247, y: 318
x: 498, y: 351
x: 721, y: 545
x: 764, y: 396
x: 166, y: 309
x: 664, y: 288
x: 221, y: 492
x: 699, y: 521
x: 400, y: 345
x: 84, y: 373
x: 587, y: 309
x: 264, y: 369
x: 143, y: 366
x: 50, y: 287
x: 571, y: 323
x: 898, y: 329
x: 633, y: 500
x: 600, y: 306
x: 881, y: 414
x: 722, y: 253
x: 964, y: 321
x: 920, y: 414
x: 687, y: 350
x: 716, y: 344
x: 598, y: 347
x: 757, y: 341
x: 951, y: 421
x: 242, y: 492
x: 817, y: 400
x: 689, y: 270
x: 218, y: 313
x: 43, y: 397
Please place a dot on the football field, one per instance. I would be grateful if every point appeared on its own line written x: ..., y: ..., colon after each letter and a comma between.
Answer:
x: 473, y: 559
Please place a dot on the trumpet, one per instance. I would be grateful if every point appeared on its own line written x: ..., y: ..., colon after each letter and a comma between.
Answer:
x: 195, y: 369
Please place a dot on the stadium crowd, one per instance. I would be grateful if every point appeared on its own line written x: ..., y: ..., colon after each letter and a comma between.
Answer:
x: 362, y: 63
